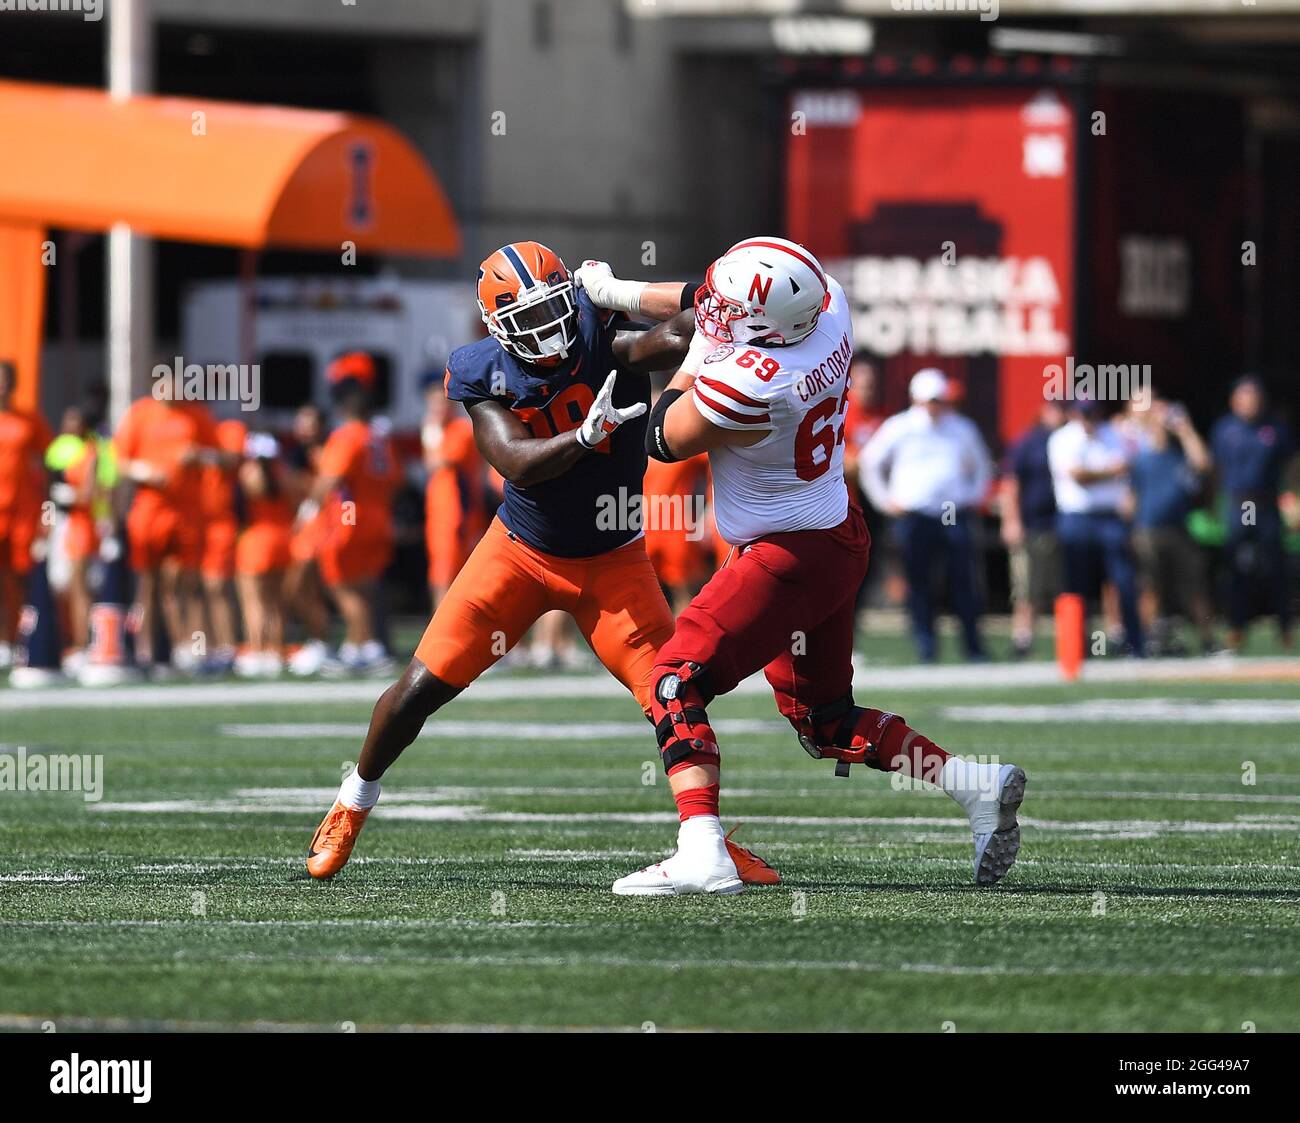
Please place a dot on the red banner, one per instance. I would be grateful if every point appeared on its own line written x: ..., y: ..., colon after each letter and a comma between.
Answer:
x: 948, y: 216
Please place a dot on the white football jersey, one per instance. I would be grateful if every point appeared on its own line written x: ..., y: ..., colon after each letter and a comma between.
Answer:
x: 793, y: 479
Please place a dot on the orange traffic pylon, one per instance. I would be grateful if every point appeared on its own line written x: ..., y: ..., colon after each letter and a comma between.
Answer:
x: 1069, y: 635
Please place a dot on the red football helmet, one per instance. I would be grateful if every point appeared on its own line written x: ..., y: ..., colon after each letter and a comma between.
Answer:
x: 526, y: 299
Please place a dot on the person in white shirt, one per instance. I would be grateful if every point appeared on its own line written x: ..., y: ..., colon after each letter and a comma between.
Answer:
x: 928, y: 467
x: 1089, y: 459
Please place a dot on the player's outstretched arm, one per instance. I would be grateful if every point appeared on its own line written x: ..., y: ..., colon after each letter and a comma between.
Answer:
x: 512, y: 450
x: 524, y: 459
x: 651, y: 300
x: 663, y: 347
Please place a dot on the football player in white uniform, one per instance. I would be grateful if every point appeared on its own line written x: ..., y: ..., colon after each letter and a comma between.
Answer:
x: 763, y: 391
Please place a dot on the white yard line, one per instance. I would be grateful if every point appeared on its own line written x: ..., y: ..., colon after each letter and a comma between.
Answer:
x: 494, y: 730
x: 314, y: 796
x: 582, y: 961
x: 505, y: 686
x: 1181, y: 711
x: 26, y: 876
x: 174, y: 1025
x: 465, y: 813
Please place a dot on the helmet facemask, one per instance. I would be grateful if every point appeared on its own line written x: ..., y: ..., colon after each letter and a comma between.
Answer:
x: 726, y: 320
x: 541, y: 326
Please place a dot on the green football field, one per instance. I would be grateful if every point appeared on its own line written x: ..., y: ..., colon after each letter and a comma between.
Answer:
x: 1158, y: 887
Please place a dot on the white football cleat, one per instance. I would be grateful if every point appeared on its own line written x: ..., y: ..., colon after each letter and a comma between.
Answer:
x: 700, y: 864
x: 990, y: 794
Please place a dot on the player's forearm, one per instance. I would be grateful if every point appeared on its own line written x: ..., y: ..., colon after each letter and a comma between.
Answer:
x: 653, y: 300
x: 662, y: 300
x: 662, y: 347
x: 535, y: 460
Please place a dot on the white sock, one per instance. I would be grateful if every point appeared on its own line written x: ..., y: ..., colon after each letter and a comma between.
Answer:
x: 358, y: 794
x: 961, y: 779
x: 700, y: 830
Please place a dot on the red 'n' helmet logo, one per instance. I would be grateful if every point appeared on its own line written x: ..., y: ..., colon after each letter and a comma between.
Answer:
x: 760, y: 288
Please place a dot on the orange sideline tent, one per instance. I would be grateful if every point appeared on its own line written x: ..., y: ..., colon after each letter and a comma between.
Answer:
x: 196, y: 171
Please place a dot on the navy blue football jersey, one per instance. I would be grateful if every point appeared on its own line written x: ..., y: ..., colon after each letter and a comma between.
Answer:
x: 560, y: 516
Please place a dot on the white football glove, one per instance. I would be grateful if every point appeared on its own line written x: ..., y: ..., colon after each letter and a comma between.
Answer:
x: 604, y: 417
x: 607, y: 291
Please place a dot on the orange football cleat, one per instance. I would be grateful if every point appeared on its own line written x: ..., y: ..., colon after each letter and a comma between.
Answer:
x: 332, y: 845
x: 751, y: 868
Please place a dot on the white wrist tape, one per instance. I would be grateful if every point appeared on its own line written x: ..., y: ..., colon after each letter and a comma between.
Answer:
x: 620, y: 296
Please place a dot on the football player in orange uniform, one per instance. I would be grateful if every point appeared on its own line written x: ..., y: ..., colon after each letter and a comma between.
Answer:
x: 557, y: 395
x: 359, y: 472
x: 217, y: 485
x: 304, y: 594
x: 675, y: 529
x: 262, y: 555
x: 24, y: 436
x: 454, y: 496
x: 160, y: 446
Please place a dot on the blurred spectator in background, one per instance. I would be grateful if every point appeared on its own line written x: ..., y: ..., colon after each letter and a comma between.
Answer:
x: 455, y: 512
x: 861, y: 420
x: 83, y: 471
x: 927, y: 468
x: 217, y: 504
x: 1089, y: 461
x: 675, y: 531
x: 1166, y: 476
x: 1251, y: 448
x: 262, y: 554
x: 359, y: 472
x: 24, y: 437
x: 304, y: 593
x: 676, y: 534
x: 160, y: 445
x: 1029, y: 527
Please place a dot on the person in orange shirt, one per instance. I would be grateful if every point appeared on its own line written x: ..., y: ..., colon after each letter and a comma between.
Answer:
x: 24, y: 436
x: 674, y: 525
x: 454, y: 500
x: 160, y: 447
x: 262, y: 555
x: 304, y: 593
x: 217, y: 484
x: 862, y: 417
x: 359, y: 472
x: 83, y: 473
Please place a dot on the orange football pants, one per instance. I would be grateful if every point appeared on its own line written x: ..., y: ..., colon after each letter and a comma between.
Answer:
x: 506, y: 585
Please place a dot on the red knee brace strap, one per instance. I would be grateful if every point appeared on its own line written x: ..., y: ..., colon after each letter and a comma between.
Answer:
x: 846, y: 733
x: 681, y: 723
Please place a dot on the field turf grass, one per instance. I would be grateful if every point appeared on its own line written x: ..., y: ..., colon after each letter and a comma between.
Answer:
x: 1156, y: 890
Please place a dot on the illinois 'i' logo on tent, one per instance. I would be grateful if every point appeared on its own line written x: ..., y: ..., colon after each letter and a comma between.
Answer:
x: 361, y: 195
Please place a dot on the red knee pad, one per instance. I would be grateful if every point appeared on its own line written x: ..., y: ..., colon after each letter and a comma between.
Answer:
x: 681, y: 722
x: 846, y: 733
